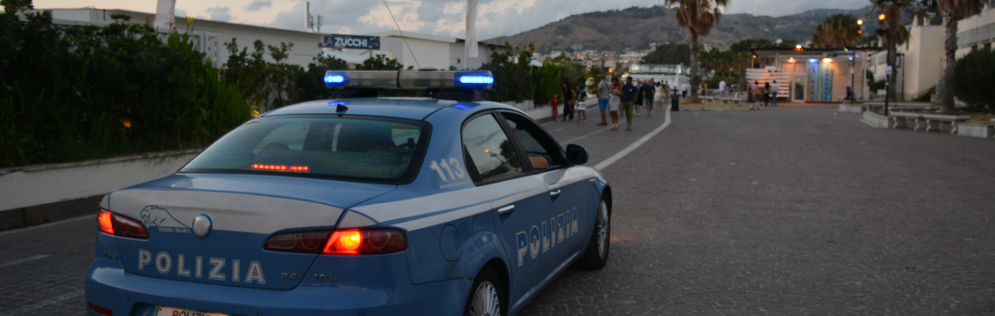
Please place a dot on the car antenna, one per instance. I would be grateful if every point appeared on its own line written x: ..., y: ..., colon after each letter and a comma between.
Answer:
x: 402, y: 34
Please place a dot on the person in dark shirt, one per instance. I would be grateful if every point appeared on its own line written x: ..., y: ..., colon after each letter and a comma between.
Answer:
x: 629, y: 92
x: 568, y: 102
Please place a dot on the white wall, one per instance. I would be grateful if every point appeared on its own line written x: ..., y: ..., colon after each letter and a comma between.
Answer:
x: 43, y: 184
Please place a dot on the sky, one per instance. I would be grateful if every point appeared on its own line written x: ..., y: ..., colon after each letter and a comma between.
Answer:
x: 439, y: 17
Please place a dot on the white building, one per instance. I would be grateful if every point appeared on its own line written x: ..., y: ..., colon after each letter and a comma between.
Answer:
x: 922, y: 59
x: 430, y: 51
x: 210, y: 36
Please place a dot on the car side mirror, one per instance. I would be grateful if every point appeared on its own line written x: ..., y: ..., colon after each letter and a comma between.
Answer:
x: 576, y: 155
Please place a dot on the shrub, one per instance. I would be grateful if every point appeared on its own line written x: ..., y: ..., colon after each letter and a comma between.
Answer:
x: 79, y: 93
x: 972, y: 80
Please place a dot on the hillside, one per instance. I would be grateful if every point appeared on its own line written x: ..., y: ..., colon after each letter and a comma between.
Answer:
x: 636, y: 27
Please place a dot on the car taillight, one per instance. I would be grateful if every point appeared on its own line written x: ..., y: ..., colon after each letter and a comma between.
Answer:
x: 340, y: 242
x: 365, y: 242
x: 118, y: 225
x: 307, y: 242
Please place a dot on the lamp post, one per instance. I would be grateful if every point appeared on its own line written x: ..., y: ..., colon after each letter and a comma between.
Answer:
x: 853, y: 67
x: 883, y: 33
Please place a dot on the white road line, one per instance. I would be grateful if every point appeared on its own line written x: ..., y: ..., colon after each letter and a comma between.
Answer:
x: 633, y: 146
x: 20, y: 261
x: 585, y: 136
x: 71, y: 220
x: 46, y: 302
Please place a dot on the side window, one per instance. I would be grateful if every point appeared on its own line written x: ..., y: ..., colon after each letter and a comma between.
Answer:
x: 489, y: 148
x: 542, y: 151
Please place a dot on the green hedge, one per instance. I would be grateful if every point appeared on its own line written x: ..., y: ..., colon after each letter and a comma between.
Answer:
x: 973, y: 77
x: 80, y: 93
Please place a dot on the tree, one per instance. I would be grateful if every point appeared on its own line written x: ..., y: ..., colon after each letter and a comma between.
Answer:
x: 837, y: 30
x: 895, y: 33
x: 698, y: 17
x: 671, y: 54
x: 955, y: 10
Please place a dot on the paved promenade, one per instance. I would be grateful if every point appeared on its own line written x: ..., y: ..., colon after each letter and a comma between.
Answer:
x: 787, y: 211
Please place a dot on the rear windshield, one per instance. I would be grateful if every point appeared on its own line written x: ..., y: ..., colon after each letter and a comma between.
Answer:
x: 351, y: 148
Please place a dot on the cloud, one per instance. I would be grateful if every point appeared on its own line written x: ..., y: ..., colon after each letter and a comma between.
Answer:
x: 220, y: 14
x: 179, y: 12
x: 258, y: 5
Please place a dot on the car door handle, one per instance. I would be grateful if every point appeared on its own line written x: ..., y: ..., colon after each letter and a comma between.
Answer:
x: 506, y: 209
x: 554, y: 194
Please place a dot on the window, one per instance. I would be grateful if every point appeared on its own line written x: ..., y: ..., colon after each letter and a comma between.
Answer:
x: 542, y: 151
x: 365, y: 149
x: 489, y: 149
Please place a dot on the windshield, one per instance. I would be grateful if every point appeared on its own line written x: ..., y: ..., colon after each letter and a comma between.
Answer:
x: 351, y: 148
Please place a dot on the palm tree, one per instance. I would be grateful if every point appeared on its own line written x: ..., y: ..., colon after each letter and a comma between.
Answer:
x: 837, y: 30
x: 698, y: 16
x: 955, y: 10
x: 896, y: 33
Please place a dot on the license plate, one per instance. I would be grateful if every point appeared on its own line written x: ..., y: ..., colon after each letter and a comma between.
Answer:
x: 173, y: 311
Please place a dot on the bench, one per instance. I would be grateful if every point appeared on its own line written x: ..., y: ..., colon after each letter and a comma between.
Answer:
x: 899, y: 106
x: 933, y: 121
x: 901, y: 119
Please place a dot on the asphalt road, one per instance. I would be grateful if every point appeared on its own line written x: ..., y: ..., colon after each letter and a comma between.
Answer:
x: 787, y: 211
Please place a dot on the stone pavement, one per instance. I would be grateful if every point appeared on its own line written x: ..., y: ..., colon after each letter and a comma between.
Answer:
x: 791, y: 211
x: 787, y: 211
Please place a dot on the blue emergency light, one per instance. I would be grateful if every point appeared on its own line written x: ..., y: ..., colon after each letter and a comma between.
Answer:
x: 411, y: 80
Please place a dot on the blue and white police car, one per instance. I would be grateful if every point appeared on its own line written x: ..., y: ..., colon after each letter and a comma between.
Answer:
x: 361, y: 205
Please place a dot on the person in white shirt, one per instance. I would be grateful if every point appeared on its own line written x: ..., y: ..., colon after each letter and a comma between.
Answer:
x: 722, y: 87
x: 773, y: 93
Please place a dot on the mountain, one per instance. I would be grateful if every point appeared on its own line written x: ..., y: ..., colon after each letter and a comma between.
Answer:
x: 637, y: 27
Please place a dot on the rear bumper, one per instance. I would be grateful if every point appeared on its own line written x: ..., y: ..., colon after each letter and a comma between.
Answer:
x: 108, y: 285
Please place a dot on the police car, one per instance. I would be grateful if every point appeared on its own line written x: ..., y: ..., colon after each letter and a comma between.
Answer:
x: 361, y: 205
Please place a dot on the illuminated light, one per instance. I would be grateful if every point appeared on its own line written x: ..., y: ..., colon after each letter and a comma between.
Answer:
x: 280, y: 167
x: 754, y: 56
x: 336, y: 103
x: 860, y: 31
x: 851, y: 57
x: 791, y: 59
x: 350, y: 239
x: 881, y: 17
x: 860, y: 22
x: 334, y: 79
x: 475, y: 79
x: 827, y: 60
x: 798, y: 46
x: 365, y: 241
x: 813, y: 60
x: 105, y: 221
x: 487, y: 150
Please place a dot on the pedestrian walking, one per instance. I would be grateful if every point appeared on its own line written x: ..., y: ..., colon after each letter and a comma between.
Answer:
x: 766, y: 93
x: 649, y: 91
x: 659, y: 95
x: 615, y: 101
x: 757, y: 94
x: 581, y: 106
x: 603, y: 92
x: 629, y: 93
x: 722, y: 87
x: 638, y: 102
x: 773, y: 92
x: 568, y: 102
x: 684, y: 93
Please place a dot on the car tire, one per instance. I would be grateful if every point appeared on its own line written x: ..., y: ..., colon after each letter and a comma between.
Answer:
x: 596, y: 255
x: 486, y: 296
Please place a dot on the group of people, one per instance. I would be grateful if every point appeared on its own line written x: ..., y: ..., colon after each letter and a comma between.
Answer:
x: 629, y: 98
x: 762, y: 96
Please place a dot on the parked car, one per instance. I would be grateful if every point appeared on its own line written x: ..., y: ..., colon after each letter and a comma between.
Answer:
x: 361, y: 205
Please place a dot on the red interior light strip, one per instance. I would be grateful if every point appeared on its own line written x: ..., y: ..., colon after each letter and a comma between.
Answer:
x: 280, y: 167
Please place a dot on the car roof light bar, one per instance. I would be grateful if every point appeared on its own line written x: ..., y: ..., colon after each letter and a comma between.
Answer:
x: 412, y: 80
